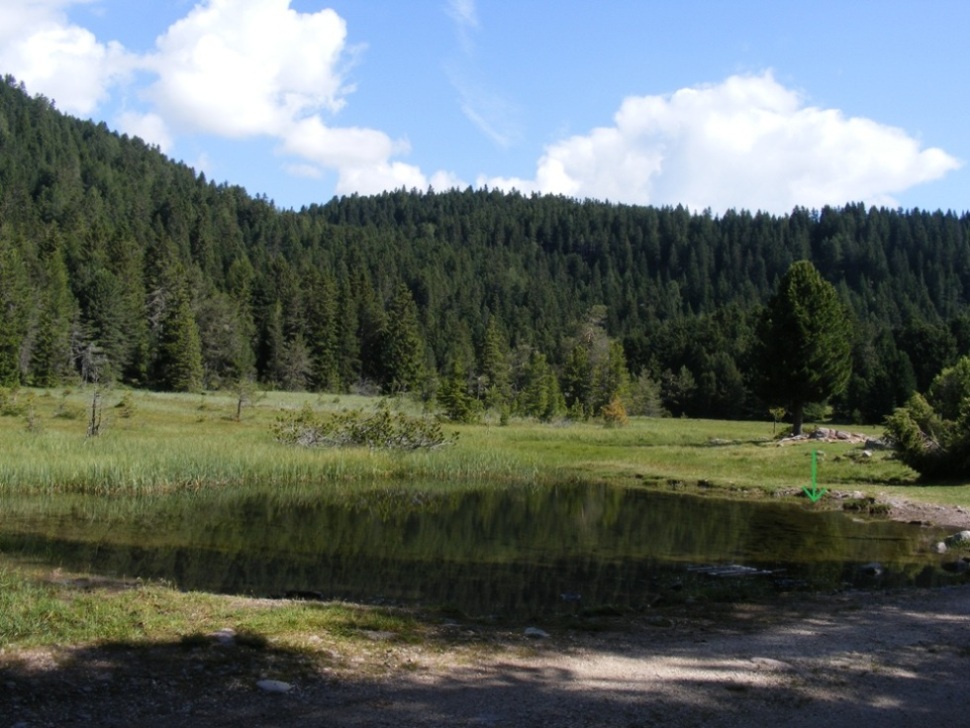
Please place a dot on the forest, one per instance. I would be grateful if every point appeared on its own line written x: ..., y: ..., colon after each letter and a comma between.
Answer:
x: 118, y: 264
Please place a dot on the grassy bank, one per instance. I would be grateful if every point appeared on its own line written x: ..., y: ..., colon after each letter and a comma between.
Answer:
x: 157, y: 443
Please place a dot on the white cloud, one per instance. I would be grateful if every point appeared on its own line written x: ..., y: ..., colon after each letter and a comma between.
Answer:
x: 748, y: 142
x: 339, y: 146
x: 150, y: 127
x: 236, y: 69
x: 373, y: 179
x: 203, y: 163
x: 493, y: 115
x: 465, y: 17
x: 244, y: 68
x: 240, y: 68
x: 463, y: 12
x: 50, y: 55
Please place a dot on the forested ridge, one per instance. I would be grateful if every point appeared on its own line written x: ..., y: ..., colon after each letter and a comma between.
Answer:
x: 119, y: 264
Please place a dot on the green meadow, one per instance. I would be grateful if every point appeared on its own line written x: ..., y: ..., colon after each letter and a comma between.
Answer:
x: 152, y: 443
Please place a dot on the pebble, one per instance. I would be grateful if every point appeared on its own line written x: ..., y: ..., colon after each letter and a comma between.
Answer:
x: 225, y: 636
x: 274, y: 686
x: 536, y: 633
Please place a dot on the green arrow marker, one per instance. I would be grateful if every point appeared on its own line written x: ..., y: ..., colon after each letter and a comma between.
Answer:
x: 814, y: 494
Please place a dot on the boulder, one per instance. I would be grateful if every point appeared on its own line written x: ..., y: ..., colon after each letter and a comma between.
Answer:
x: 958, y: 539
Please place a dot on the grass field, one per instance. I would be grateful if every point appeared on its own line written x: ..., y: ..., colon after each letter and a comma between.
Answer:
x: 162, y: 442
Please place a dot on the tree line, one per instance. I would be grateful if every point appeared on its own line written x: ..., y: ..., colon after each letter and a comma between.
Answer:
x: 117, y: 263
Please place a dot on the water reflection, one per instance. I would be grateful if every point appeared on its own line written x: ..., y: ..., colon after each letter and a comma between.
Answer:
x: 482, y: 551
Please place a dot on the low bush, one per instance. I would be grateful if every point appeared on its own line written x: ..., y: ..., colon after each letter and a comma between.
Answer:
x: 932, y: 433
x: 381, y: 430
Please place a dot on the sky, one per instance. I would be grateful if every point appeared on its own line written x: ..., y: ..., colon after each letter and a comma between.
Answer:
x: 713, y: 104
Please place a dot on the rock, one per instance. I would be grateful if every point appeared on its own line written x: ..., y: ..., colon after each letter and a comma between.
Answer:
x: 958, y: 539
x: 274, y: 686
x: 536, y: 633
x: 225, y: 636
x: 873, y: 568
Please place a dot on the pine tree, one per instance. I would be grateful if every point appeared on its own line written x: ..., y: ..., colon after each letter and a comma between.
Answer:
x: 496, y: 372
x: 178, y: 362
x: 804, y: 350
x: 458, y: 403
x: 321, y: 314
x: 541, y: 396
x: 51, y: 358
x: 403, y: 345
x: 14, y: 311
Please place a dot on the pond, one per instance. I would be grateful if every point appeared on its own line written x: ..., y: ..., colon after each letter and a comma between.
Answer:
x: 484, y: 551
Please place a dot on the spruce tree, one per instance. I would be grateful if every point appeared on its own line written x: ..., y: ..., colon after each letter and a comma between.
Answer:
x: 804, y: 350
x: 403, y: 345
x: 14, y: 311
x: 51, y: 356
x: 178, y: 362
x: 495, y: 368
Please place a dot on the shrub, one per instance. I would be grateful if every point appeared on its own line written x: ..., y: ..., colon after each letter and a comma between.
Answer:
x: 932, y: 434
x: 614, y: 413
x: 12, y: 402
x: 381, y: 430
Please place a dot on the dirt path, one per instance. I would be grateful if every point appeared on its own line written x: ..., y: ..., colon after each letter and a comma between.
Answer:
x: 857, y: 659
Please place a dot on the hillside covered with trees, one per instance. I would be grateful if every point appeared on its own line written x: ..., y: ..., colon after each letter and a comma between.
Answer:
x: 119, y: 264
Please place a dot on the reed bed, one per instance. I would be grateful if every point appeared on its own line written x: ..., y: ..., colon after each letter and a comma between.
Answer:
x: 162, y: 443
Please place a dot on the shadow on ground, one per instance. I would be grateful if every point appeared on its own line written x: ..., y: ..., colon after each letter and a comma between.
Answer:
x: 855, y: 661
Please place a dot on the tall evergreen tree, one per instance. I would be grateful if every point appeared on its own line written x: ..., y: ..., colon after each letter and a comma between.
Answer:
x: 321, y: 314
x: 51, y: 357
x: 458, y: 403
x: 403, y: 345
x: 804, y: 342
x: 14, y: 311
x: 540, y: 396
x: 495, y: 369
x: 178, y: 361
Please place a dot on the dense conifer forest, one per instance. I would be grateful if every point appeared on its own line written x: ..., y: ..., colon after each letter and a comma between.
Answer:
x: 117, y: 264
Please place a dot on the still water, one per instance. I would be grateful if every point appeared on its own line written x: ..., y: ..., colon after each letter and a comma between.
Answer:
x: 481, y: 551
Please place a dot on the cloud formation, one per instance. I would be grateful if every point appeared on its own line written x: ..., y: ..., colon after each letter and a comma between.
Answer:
x: 491, y: 113
x: 50, y: 55
x: 748, y: 142
x: 242, y: 69
x: 235, y: 69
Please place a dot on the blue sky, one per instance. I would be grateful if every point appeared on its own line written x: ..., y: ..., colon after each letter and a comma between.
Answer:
x: 755, y: 104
